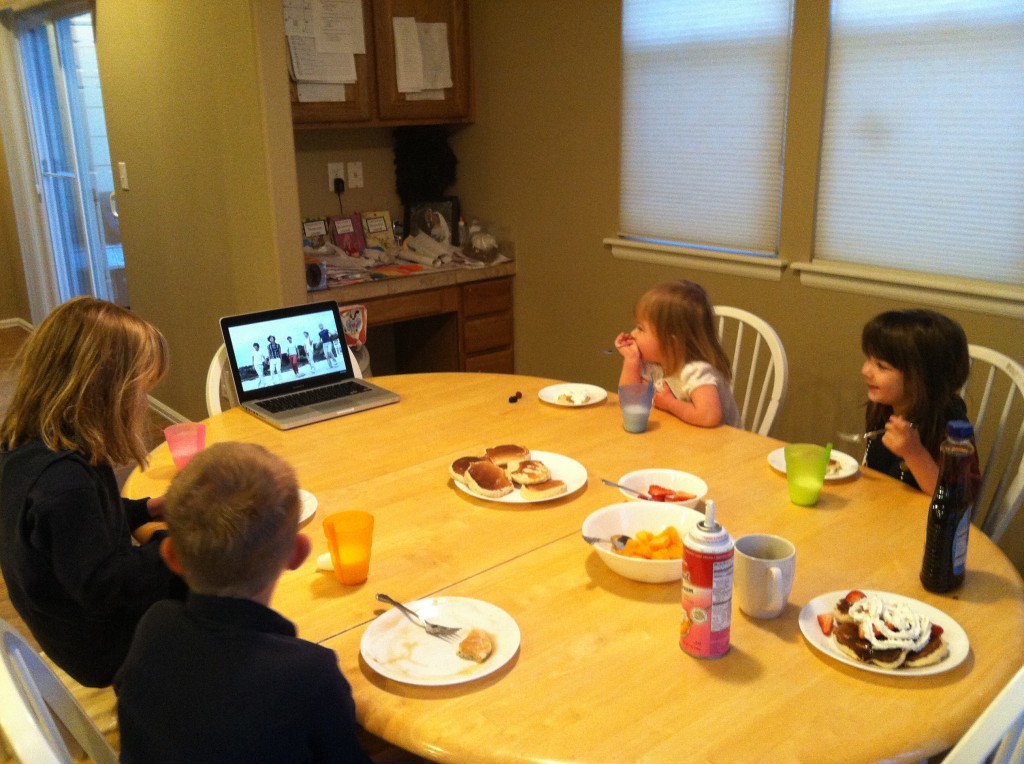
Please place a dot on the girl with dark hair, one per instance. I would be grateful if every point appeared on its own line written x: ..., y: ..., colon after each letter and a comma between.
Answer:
x: 915, y: 363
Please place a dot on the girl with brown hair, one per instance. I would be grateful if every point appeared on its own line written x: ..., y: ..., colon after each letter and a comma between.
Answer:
x: 66, y: 536
x: 675, y: 345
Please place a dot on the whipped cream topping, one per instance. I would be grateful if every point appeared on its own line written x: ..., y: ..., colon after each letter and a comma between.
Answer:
x: 890, y: 626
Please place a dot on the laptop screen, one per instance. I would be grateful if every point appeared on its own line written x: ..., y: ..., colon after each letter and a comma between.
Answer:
x: 286, y: 350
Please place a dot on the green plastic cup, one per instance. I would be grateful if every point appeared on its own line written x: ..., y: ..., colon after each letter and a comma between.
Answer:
x: 806, y: 464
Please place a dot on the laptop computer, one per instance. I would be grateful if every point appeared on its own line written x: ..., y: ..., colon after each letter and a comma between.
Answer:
x: 291, y: 366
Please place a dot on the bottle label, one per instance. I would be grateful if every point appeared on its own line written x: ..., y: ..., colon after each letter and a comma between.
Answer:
x: 706, y: 602
x: 960, y: 543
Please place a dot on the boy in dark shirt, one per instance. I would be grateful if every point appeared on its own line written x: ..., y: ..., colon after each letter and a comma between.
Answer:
x: 222, y: 677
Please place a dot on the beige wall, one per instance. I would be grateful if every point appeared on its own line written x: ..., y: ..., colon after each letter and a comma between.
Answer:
x: 196, y: 100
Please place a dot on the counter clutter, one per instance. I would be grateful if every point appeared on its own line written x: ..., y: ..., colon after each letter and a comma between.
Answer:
x: 338, y: 252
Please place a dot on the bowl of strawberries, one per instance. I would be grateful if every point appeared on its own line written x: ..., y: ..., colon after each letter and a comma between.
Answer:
x: 665, y: 486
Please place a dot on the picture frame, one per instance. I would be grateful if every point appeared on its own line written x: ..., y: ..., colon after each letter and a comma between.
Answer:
x: 443, y: 215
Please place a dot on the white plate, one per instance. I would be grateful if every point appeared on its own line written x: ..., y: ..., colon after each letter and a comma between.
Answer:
x: 569, y: 471
x: 952, y: 632
x: 590, y: 394
x: 397, y: 648
x: 309, y: 505
x: 848, y: 466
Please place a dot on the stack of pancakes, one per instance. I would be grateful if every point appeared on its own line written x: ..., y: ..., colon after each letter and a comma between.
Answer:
x: 501, y: 469
x: 886, y: 634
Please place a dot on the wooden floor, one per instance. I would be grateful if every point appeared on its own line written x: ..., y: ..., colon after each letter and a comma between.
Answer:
x: 101, y: 704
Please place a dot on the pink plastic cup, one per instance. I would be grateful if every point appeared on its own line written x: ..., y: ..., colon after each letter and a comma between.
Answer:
x: 185, y: 441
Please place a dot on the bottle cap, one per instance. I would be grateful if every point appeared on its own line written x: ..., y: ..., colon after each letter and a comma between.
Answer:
x: 959, y: 429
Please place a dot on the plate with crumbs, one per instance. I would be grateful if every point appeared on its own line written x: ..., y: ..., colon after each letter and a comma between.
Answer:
x: 572, y: 395
x: 398, y: 649
x: 840, y: 465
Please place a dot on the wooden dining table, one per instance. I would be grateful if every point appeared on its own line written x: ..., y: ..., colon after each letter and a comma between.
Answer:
x: 598, y: 675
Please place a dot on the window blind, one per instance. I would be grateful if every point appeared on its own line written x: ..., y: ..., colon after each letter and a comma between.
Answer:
x: 704, y: 103
x: 922, y: 162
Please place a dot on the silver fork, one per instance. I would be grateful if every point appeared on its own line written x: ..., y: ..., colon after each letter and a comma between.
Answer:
x: 447, y: 633
x: 861, y: 437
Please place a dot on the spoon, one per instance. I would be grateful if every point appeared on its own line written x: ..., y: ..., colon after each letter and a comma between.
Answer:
x: 628, y: 490
x: 616, y: 542
x: 857, y: 437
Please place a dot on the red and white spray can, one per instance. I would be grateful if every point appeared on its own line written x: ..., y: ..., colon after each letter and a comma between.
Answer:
x: 706, y: 588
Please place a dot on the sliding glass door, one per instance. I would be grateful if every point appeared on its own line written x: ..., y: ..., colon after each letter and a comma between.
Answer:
x: 71, y: 155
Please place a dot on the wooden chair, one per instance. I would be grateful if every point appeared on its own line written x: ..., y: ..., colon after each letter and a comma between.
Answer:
x: 767, y: 372
x: 999, y: 432
x: 1000, y: 728
x: 40, y: 718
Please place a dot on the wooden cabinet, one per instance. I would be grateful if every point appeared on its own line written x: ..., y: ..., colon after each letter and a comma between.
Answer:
x: 374, y: 100
x: 448, y: 321
x: 487, y: 338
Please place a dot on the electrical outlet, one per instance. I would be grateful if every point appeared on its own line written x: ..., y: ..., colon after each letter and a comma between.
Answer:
x: 334, y: 170
x: 355, y: 174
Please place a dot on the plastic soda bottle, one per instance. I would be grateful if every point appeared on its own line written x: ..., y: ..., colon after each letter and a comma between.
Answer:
x: 949, y: 515
x: 706, y: 588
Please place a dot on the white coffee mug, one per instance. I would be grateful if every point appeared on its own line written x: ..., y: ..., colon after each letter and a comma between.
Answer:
x: 764, y: 567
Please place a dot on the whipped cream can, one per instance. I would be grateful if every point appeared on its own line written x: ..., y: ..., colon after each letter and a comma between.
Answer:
x: 706, y: 588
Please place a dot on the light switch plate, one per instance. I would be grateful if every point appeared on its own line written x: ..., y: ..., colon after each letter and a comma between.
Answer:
x: 355, y: 174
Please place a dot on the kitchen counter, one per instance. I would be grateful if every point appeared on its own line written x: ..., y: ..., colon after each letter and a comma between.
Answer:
x: 447, y: 320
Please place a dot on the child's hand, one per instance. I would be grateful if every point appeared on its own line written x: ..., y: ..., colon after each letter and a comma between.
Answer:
x: 901, y: 437
x: 626, y: 346
x: 155, y: 506
x: 664, y: 398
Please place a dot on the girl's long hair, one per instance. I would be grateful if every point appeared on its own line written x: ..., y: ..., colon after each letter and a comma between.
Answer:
x: 931, y: 351
x: 681, y: 316
x: 83, y: 373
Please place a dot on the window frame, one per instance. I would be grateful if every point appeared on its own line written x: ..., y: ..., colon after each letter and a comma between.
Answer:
x: 802, y: 152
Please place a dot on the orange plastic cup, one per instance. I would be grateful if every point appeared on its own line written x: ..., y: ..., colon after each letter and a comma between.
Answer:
x: 349, y: 537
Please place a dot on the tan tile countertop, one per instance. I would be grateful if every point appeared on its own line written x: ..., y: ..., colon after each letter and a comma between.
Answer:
x: 416, y: 282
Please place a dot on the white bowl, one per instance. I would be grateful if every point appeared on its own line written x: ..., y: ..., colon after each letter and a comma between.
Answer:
x: 675, y: 480
x: 629, y: 517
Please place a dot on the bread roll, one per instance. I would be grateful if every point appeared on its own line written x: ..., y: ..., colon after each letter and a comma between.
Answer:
x: 485, y: 478
x: 530, y: 472
x: 508, y: 456
x: 457, y: 469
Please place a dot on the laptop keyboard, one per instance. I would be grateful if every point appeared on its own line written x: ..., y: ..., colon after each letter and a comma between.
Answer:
x: 308, y: 397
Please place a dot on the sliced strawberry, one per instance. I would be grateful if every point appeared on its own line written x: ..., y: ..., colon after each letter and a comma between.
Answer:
x: 825, y: 621
x: 936, y: 631
x: 855, y: 595
x: 660, y: 493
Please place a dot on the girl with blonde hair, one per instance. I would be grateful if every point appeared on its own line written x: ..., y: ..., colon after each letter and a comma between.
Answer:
x: 66, y: 536
x: 674, y: 344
